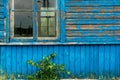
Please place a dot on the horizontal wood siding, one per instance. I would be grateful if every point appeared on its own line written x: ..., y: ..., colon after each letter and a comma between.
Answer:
x: 2, y: 9
x: 79, y: 59
x: 92, y: 21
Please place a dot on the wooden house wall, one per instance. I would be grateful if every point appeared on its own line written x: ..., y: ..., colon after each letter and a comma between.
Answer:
x: 2, y: 19
x: 82, y: 22
x: 79, y: 59
x: 92, y: 21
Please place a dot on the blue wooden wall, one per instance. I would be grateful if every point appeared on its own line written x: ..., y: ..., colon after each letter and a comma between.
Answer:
x: 2, y: 14
x: 95, y: 23
x: 80, y: 22
x: 92, y: 21
x: 79, y: 59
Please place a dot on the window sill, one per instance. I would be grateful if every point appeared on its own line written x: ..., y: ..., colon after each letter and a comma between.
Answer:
x: 60, y: 43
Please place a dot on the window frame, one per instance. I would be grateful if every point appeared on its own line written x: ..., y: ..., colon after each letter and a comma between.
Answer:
x: 35, y: 37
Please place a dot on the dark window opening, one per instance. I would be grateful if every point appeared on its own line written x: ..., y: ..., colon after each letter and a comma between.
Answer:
x: 23, y: 20
x: 23, y: 26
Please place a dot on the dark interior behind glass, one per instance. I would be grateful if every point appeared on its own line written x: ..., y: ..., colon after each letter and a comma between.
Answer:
x: 23, y: 20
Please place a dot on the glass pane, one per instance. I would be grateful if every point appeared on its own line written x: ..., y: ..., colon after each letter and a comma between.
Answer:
x: 42, y: 29
x: 23, y: 25
x: 46, y: 4
x: 23, y: 4
x: 52, y: 29
x: 47, y: 28
x: 43, y: 21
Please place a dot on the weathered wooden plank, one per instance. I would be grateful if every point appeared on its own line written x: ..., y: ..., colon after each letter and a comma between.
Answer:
x: 19, y: 61
x: 96, y: 40
x: 40, y: 53
x: 83, y: 64
x: 56, y: 50
x: 72, y: 59
x: 66, y: 59
x: 96, y: 9
x: 61, y: 57
x: 1, y: 15
x: 112, y: 60
x: 96, y: 61
x: 93, y: 15
x: 1, y: 10
x: 77, y: 61
x: 92, y: 21
x: 30, y: 57
x: 93, y: 33
x: 45, y: 49
x: 87, y: 60
x: 50, y: 51
x: 35, y: 57
x: 14, y: 60
x: 101, y: 60
x: 91, y: 59
x: 91, y: 27
x: 1, y: 27
x: 3, y: 58
x: 1, y: 35
x: 107, y: 61
x: 8, y: 59
x: 117, y: 60
x: 1, y: 22
x: 92, y: 3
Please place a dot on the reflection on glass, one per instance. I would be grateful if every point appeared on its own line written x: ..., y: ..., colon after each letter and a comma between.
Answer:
x: 52, y: 28
x: 23, y: 4
x: 47, y: 23
x: 46, y: 4
x: 46, y: 18
x: 23, y: 24
x: 49, y: 3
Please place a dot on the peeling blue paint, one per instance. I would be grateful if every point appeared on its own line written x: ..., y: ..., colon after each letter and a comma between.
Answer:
x: 88, y: 40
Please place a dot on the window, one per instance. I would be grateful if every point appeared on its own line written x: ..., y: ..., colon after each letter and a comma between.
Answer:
x: 34, y: 18
x: 46, y: 16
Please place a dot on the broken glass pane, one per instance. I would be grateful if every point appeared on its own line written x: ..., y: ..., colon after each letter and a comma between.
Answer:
x: 23, y: 4
x: 23, y: 24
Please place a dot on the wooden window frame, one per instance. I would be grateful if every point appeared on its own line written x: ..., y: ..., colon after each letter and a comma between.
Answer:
x: 35, y: 37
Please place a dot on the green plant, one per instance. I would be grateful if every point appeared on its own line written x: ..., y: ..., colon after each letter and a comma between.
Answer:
x: 47, y: 69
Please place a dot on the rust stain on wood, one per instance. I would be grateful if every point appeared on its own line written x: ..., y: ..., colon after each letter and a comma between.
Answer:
x: 99, y: 17
x: 87, y: 27
x: 77, y: 9
x: 117, y: 32
x: 117, y: 8
x: 71, y: 27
